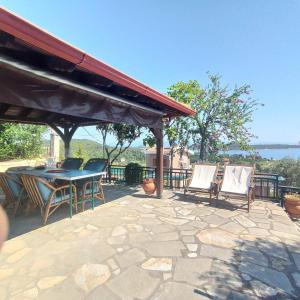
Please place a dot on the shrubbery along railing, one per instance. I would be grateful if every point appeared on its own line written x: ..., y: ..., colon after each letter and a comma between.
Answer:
x: 266, y: 185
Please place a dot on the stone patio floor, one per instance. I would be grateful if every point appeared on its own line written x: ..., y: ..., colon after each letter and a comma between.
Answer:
x: 138, y: 247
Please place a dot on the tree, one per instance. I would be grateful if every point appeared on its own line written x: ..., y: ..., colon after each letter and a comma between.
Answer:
x: 81, y: 153
x: 21, y: 140
x: 221, y: 117
x: 124, y: 135
x: 178, y: 135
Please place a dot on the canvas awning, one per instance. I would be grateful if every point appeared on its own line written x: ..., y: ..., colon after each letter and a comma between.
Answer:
x: 40, y: 73
x: 44, y: 80
x: 29, y: 92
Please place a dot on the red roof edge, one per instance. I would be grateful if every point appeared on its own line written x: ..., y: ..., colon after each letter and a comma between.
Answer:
x: 39, y: 38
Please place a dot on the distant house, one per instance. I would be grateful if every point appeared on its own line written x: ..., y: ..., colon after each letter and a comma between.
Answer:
x: 178, y: 163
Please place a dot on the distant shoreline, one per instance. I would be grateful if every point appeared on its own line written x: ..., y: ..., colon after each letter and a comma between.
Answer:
x: 268, y: 146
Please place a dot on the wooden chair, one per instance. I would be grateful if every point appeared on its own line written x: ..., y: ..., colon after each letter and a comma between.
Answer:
x: 238, y: 181
x: 85, y: 187
x: 47, y: 197
x: 13, y: 190
x: 203, y: 179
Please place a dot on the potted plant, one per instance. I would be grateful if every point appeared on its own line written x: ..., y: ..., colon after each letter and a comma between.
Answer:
x: 149, y: 186
x: 292, y: 204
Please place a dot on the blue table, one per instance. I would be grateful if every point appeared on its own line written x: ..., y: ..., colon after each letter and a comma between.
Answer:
x: 67, y: 175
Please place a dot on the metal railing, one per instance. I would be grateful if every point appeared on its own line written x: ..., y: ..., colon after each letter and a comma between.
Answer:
x: 284, y: 189
x: 266, y: 185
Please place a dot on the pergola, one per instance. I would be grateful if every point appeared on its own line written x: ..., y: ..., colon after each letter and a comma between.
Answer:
x: 44, y: 80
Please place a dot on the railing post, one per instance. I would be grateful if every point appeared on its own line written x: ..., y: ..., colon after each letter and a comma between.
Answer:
x: 277, y: 186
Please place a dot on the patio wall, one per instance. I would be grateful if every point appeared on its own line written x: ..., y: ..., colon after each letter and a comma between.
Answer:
x: 4, y: 165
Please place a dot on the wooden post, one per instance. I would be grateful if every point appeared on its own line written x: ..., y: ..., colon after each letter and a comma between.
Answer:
x: 66, y: 136
x: 67, y: 142
x: 54, y: 146
x: 159, y: 175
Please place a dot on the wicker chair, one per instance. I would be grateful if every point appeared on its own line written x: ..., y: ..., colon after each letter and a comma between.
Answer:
x: 47, y: 197
x: 72, y: 163
x: 203, y: 179
x: 13, y: 190
x: 238, y: 181
x: 85, y: 187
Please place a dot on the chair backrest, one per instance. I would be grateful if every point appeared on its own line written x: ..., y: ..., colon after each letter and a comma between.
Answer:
x: 72, y: 163
x: 237, y: 179
x: 203, y: 176
x: 96, y: 164
x: 31, y: 187
x: 11, y: 187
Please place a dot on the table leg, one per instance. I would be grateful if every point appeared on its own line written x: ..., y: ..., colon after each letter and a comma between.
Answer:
x: 93, y: 198
x: 71, y: 203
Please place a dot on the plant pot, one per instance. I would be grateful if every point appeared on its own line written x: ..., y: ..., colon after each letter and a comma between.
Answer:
x: 292, y: 205
x: 149, y: 186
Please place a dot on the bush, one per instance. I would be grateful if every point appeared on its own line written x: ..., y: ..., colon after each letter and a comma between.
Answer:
x: 21, y: 140
x: 133, y: 174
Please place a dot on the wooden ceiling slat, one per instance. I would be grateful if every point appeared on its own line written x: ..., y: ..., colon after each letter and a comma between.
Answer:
x: 4, y: 108
x: 25, y: 112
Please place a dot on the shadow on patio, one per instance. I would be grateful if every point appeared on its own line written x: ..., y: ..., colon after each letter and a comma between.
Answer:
x: 22, y: 224
x: 269, y: 268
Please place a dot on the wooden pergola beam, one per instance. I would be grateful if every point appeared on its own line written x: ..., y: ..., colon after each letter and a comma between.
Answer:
x: 159, y: 175
x: 66, y: 135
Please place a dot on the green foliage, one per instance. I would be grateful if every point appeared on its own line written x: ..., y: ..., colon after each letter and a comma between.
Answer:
x: 133, y: 174
x: 221, y: 116
x: 124, y: 135
x: 287, y: 167
x: 178, y: 134
x: 82, y: 153
x: 21, y: 141
x: 87, y: 149
x: 237, y: 159
x: 149, y: 140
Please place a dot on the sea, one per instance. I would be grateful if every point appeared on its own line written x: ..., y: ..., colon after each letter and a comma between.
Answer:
x: 271, y: 153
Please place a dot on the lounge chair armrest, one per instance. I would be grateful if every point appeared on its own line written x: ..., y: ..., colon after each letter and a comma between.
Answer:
x: 215, y: 186
x: 187, y: 182
x: 251, y: 187
x: 219, y: 182
x: 215, y: 183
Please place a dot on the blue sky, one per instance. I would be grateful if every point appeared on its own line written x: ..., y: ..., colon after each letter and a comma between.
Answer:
x: 161, y: 42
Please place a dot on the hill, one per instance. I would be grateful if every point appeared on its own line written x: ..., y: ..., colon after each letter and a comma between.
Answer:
x: 88, y: 149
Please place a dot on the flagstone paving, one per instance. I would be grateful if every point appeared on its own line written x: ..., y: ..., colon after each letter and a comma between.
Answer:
x: 139, y: 247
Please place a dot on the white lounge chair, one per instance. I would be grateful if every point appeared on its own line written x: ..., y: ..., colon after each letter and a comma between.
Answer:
x: 203, y: 179
x: 238, y: 181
